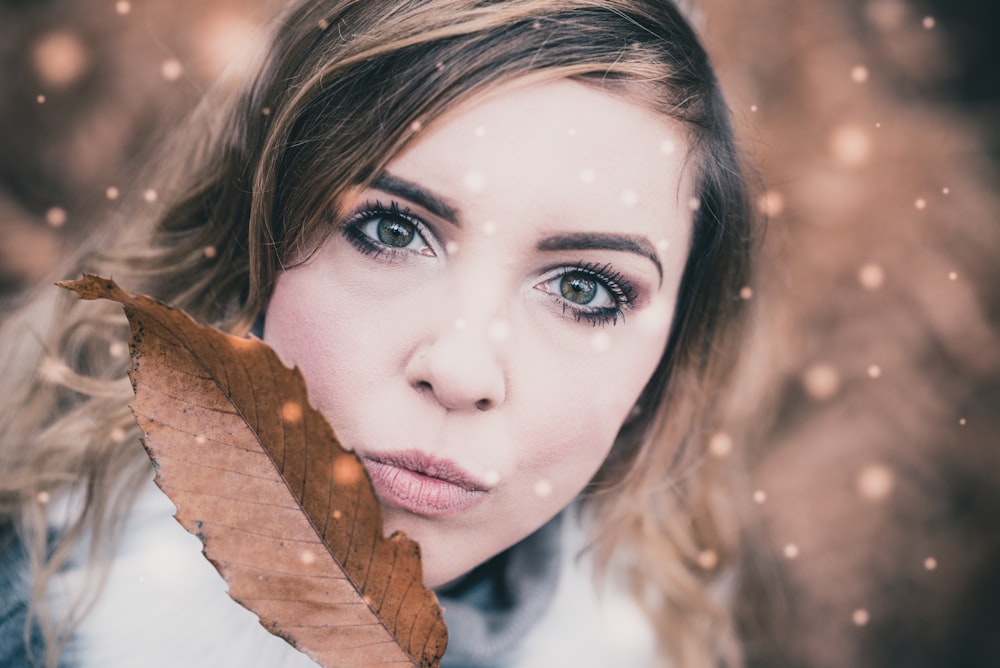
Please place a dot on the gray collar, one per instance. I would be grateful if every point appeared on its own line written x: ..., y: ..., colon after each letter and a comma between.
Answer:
x: 490, y: 610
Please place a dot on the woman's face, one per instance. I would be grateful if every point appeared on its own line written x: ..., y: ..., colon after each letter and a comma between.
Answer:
x: 484, y: 320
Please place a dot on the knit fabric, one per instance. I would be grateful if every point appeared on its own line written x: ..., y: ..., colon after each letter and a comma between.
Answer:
x: 491, y: 610
x: 18, y: 642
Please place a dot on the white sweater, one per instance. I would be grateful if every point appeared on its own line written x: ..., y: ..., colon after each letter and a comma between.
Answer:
x: 165, y: 606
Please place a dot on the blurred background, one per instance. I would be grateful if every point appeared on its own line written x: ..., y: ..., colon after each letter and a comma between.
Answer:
x: 874, y: 365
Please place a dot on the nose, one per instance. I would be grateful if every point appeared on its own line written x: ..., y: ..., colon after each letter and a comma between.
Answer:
x: 460, y: 370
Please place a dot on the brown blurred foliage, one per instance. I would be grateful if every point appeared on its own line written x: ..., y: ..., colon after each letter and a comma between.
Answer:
x: 873, y: 369
x: 877, y: 349
x: 88, y: 88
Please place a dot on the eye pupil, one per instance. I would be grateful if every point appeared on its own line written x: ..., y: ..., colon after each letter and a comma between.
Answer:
x: 397, y: 233
x: 578, y: 289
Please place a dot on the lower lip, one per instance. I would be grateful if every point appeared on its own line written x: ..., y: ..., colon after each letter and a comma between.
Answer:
x: 420, y: 494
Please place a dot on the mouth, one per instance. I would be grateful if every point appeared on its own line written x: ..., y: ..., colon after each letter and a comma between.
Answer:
x: 422, y: 484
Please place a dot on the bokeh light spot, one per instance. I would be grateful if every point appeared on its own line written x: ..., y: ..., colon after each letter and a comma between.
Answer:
x: 771, y: 204
x: 60, y: 58
x: 876, y: 482
x: 886, y: 14
x: 850, y: 145
x: 56, y: 216
x: 474, y: 181
x: 600, y: 342
x: 499, y: 331
x: 871, y: 276
x: 171, y: 69
x: 720, y: 445
x: 708, y: 559
x: 347, y: 470
x: 224, y: 39
x: 821, y: 381
x: 291, y: 412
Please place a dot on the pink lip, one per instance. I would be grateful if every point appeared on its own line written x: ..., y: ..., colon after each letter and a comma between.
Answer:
x: 415, y: 481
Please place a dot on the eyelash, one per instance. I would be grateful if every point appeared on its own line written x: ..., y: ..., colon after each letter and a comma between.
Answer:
x: 365, y: 244
x: 622, y: 291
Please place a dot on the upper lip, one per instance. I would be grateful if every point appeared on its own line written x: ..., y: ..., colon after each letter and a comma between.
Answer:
x: 430, y: 466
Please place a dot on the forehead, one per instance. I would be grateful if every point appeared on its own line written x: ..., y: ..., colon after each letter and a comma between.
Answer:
x: 545, y: 146
x: 557, y: 156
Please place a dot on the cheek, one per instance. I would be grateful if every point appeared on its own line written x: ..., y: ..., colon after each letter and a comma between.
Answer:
x: 316, y: 324
x: 581, y: 396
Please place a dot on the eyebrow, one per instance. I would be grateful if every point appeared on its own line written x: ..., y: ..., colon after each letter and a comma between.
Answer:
x: 629, y: 243
x: 437, y: 205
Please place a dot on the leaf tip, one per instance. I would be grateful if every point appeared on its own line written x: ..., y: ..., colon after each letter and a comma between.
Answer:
x: 92, y: 286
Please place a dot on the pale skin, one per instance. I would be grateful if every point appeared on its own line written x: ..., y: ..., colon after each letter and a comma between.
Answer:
x: 491, y: 309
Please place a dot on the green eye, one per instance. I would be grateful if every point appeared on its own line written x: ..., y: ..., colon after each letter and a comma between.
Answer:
x: 395, y: 232
x: 593, y: 293
x: 578, y: 288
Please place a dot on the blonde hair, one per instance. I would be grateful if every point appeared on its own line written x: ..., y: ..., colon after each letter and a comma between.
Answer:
x: 345, y: 86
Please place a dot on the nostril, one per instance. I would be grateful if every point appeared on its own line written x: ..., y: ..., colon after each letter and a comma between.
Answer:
x: 484, y: 404
x: 424, y: 386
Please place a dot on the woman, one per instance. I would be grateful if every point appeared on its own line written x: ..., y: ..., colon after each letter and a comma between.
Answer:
x: 505, y: 242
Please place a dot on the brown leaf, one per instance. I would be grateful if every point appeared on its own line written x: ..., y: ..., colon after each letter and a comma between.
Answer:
x: 288, y: 517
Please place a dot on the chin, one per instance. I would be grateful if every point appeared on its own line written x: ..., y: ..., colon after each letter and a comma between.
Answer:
x: 446, y: 554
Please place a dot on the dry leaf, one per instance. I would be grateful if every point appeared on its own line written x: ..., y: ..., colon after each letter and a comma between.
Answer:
x: 287, y: 515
